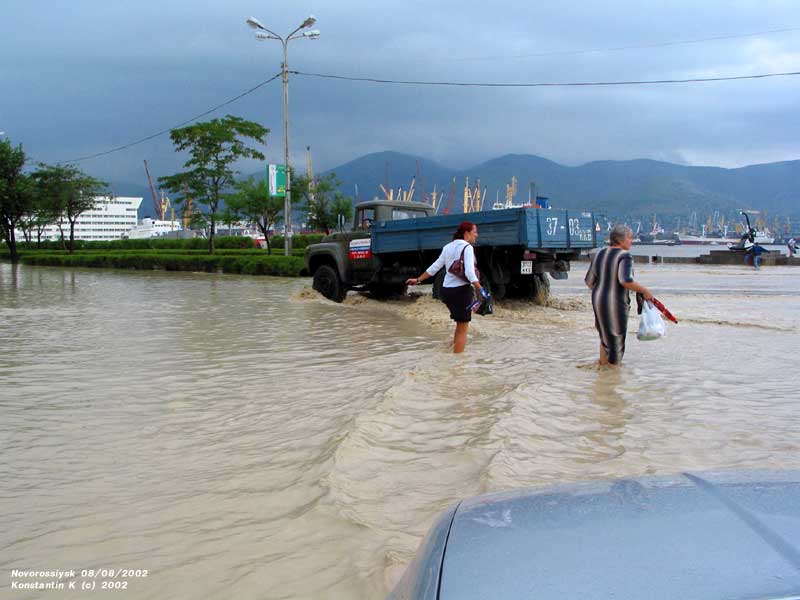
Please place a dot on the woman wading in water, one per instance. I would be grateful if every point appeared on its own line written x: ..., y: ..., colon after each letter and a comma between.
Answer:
x: 456, y: 290
x: 610, y: 276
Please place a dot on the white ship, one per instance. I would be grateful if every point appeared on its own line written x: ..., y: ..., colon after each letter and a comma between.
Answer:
x: 152, y: 228
x: 685, y: 238
x: 764, y: 237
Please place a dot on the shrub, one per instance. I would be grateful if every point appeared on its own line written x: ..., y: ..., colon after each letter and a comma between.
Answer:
x: 244, y: 263
x: 298, y: 241
x: 222, y: 242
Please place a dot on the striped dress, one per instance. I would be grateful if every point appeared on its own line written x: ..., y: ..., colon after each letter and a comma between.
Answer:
x: 610, y: 268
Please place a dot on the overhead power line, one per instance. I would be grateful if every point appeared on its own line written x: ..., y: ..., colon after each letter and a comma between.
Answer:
x: 545, y: 84
x: 429, y: 83
x: 630, y: 47
x: 186, y: 122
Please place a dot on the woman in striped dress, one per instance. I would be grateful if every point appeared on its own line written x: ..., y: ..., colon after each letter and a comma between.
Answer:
x: 610, y: 276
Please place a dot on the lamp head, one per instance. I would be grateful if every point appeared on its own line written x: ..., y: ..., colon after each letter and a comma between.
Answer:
x: 255, y: 23
x: 312, y: 35
x: 309, y: 22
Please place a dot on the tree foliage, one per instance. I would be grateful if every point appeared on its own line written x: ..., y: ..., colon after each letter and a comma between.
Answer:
x: 253, y: 202
x: 214, y: 148
x: 42, y: 212
x: 68, y: 192
x: 326, y: 207
x: 16, y: 195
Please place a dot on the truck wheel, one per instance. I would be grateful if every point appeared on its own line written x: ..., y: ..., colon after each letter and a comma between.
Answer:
x: 499, y: 290
x: 328, y: 283
x: 541, y: 289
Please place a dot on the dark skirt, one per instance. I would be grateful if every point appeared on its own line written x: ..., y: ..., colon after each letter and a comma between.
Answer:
x: 458, y: 300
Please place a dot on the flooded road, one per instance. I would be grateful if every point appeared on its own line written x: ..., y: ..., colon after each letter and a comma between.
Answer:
x: 241, y: 437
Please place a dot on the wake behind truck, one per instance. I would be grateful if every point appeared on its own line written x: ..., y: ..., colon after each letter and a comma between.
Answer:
x: 392, y: 241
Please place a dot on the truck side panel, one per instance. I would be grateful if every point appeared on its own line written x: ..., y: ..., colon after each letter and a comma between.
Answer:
x: 530, y: 228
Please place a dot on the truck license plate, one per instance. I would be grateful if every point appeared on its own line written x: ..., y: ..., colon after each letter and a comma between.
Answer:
x: 526, y: 268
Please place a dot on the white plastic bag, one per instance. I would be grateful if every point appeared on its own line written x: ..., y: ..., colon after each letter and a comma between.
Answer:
x: 652, y: 326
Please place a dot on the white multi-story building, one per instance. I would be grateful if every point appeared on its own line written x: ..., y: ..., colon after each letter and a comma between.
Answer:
x: 111, y: 217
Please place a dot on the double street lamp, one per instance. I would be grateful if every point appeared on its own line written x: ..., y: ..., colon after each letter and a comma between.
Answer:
x: 262, y: 35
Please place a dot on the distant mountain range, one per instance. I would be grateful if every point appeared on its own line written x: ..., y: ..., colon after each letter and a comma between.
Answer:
x: 633, y: 187
x: 616, y: 188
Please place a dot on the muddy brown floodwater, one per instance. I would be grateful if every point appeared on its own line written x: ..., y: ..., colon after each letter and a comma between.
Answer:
x: 241, y: 437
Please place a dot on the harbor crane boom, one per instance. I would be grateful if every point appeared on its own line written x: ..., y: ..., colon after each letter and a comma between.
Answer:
x: 156, y: 202
x: 450, y: 197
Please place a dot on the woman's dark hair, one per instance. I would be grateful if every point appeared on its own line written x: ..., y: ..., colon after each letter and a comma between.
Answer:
x: 462, y: 229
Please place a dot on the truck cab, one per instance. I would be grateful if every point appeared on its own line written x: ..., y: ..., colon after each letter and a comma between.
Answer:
x: 343, y: 260
x: 368, y: 213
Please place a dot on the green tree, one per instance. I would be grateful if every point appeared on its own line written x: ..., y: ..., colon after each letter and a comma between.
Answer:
x: 214, y: 147
x: 68, y: 192
x: 16, y: 195
x: 42, y: 213
x: 341, y: 210
x: 326, y: 207
x: 229, y: 216
x: 253, y: 202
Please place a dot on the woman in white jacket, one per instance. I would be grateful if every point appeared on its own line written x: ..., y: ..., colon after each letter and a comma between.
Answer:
x: 456, y: 290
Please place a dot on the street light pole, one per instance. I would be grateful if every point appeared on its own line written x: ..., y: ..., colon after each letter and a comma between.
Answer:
x: 287, y: 206
x: 269, y: 35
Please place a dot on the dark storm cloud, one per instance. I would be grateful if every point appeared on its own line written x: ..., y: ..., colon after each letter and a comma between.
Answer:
x: 82, y: 77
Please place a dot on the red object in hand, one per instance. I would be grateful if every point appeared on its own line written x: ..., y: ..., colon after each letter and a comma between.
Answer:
x: 664, y: 310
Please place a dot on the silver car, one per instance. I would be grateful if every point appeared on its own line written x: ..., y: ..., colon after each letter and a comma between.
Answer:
x: 729, y: 535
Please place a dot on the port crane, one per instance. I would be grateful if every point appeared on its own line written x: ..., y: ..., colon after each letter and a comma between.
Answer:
x: 188, y: 212
x: 450, y: 197
x: 401, y: 194
x: 162, y: 204
x: 157, y: 206
x: 473, y: 197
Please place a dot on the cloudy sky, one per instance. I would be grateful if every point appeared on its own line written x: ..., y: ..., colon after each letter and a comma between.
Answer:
x: 80, y: 77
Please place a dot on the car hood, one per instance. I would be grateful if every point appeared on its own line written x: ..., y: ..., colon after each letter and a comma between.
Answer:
x: 715, y: 535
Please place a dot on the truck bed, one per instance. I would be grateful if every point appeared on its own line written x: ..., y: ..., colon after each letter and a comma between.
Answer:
x: 531, y: 228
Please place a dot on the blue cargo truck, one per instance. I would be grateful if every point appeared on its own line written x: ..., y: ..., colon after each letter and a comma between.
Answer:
x: 392, y: 241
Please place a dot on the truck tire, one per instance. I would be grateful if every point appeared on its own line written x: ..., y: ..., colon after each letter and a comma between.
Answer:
x: 534, y: 287
x: 541, y: 289
x: 328, y: 283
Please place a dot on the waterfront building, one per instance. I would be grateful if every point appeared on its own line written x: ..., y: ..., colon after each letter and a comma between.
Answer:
x: 110, y: 219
